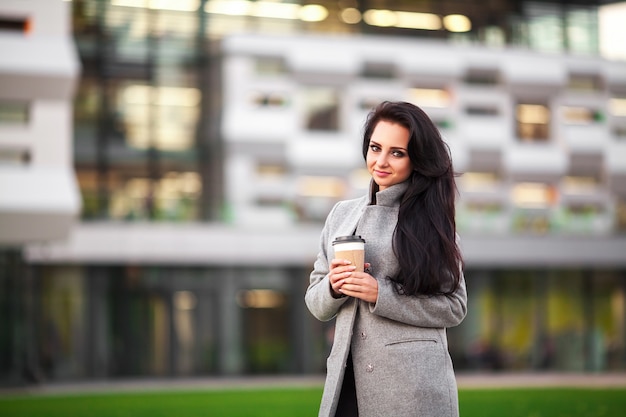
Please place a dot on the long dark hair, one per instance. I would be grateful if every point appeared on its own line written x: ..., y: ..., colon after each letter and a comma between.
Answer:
x: 424, y: 239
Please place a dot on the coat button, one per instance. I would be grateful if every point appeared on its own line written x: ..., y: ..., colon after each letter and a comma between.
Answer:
x: 369, y: 368
x: 363, y: 335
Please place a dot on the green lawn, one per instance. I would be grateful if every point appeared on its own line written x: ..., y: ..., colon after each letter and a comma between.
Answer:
x: 302, y: 402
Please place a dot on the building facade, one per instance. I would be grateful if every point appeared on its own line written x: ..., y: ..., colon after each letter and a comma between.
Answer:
x: 210, y: 142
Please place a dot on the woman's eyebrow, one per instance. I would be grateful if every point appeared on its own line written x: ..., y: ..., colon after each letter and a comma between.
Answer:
x: 372, y: 142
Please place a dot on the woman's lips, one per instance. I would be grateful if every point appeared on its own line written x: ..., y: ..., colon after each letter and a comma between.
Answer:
x: 381, y: 173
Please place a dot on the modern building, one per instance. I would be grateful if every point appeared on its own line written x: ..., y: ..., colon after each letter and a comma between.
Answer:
x: 38, y: 73
x: 211, y: 138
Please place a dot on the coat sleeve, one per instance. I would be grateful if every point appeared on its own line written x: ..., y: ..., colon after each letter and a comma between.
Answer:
x: 421, y: 311
x: 318, y: 298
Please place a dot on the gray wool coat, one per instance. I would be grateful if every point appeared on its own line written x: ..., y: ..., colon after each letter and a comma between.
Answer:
x: 399, y: 346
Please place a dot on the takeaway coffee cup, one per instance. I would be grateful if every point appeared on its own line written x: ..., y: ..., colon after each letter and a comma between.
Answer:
x: 351, y: 248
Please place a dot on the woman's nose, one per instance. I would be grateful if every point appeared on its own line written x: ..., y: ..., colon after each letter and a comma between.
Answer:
x: 382, y: 159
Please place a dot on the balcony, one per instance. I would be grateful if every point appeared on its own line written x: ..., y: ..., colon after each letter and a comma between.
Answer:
x: 535, y: 162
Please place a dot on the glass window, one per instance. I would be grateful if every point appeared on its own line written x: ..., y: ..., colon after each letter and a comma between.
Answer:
x: 612, y: 30
x: 175, y: 197
x: 578, y: 115
x: 378, y: 70
x: 532, y: 203
x: 482, y: 110
x: 128, y: 31
x: 266, y: 335
x: 582, y: 29
x: 545, y: 26
x: 565, y: 320
x: 63, y: 326
x: 480, y: 181
x: 606, y: 337
x: 269, y: 66
x: 269, y: 100
x: 14, y: 112
x: 321, y: 108
x: 585, y: 82
x: 317, y: 194
x: 430, y: 97
x: 617, y: 106
x: 158, y: 116
x: 14, y: 157
x: 533, y: 122
x: 482, y: 77
x: 517, y: 307
x: 533, y: 195
x: 581, y: 184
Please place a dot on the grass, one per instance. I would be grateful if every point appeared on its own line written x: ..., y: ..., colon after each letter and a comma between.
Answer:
x: 543, y: 402
x: 303, y: 402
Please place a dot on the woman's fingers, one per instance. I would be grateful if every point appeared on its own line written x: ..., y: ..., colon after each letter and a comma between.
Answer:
x: 361, y: 286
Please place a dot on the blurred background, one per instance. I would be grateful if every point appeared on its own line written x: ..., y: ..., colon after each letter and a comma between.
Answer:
x: 166, y: 167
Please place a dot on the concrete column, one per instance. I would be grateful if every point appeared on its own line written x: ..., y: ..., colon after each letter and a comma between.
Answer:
x: 301, y: 335
x: 230, y: 345
x: 97, y: 340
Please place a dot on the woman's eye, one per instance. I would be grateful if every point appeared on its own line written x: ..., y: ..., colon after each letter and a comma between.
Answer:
x: 374, y: 148
x: 398, y: 154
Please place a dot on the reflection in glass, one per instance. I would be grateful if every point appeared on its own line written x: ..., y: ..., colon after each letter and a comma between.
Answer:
x: 174, y: 197
x: 161, y: 117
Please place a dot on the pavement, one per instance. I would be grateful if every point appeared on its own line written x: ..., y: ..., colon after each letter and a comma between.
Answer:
x: 464, y: 380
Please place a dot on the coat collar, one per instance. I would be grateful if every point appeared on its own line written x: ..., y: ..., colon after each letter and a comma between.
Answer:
x: 388, y: 197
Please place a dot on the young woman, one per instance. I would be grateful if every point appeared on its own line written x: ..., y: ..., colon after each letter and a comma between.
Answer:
x: 390, y: 350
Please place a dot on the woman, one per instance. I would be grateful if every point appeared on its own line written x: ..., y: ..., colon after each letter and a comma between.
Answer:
x: 390, y: 351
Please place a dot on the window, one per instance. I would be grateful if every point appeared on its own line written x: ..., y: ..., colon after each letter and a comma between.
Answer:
x: 310, y: 186
x: 160, y: 117
x: 481, y: 77
x: 14, y: 24
x: 430, y: 97
x: 582, y: 29
x: 13, y: 112
x: 617, y: 106
x: 585, y: 82
x: 482, y: 110
x: 174, y: 197
x: 545, y: 26
x: 480, y: 181
x: 369, y: 103
x: 265, y: 315
x: 269, y: 100
x: 578, y: 115
x: 266, y: 66
x: 534, y: 195
x: 321, y: 109
x: 380, y: 70
x: 316, y: 195
x: 533, y: 122
x: 14, y: 157
x: 579, y: 184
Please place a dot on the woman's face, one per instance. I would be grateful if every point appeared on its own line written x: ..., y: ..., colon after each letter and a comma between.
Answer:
x: 387, y: 158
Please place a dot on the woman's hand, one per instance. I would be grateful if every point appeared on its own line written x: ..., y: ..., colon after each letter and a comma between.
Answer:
x: 344, y: 280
